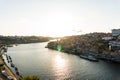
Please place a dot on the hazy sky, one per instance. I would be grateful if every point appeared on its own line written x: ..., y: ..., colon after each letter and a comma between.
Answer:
x: 58, y: 17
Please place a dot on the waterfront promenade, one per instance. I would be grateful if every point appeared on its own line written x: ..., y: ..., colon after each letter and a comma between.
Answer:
x: 8, y: 71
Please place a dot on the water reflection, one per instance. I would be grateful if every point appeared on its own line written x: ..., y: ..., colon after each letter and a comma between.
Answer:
x: 60, y: 62
x: 55, y: 65
x: 60, y: 67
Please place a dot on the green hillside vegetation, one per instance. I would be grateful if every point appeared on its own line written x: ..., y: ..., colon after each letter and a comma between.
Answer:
x: 30, y: 78
x: 82, y: 43
x: 22, y: 39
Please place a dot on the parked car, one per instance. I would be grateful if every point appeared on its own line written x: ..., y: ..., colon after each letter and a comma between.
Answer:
x: 6, y: 75
x: 10, y: 77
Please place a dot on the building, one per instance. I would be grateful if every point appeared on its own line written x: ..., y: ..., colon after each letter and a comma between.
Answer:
x: 114, y: 45
x: 107, y: 38
x: 115, y: 32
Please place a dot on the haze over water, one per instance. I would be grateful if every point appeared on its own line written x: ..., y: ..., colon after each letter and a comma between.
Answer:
x: 34, y: 59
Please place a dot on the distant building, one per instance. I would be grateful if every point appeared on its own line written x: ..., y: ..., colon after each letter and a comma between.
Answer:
x: 119, y: 37
x: 115, y: 32
x: 114, y: 45
x: 107, y: 38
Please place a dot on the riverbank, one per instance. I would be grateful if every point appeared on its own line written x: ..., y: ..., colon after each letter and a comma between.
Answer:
x: 55, y: 65
x: 88, y: 44
x: 7, y: 69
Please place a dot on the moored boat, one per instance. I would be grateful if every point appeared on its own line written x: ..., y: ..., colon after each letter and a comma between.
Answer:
x: 12, y: 65
x: 16, y: 68
x: 89, y: 57
x: 17, y: 73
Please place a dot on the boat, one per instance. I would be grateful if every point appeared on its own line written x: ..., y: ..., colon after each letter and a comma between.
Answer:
x: 9, y: 57
x: 9, y: 45
x: 11, y: 60
x: 16, y: 68
x: 5, y: 50
x: 8, y: 61
x: 89, y: 57
x: 17, y: 73
x: 12, y: 65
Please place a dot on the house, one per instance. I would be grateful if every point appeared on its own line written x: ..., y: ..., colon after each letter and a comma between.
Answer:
x: 114, y: 45
x: 107, y: 38
x: 115, y: 32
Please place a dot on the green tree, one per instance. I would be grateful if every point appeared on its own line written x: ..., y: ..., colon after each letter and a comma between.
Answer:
x: 30, y: 78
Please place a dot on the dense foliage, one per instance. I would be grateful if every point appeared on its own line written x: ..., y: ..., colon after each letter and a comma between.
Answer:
x: 22, y: 39
x: 81, y: 43
x: 30, y: 78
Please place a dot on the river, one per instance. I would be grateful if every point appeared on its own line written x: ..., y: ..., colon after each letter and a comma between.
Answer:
x: 35, y: 59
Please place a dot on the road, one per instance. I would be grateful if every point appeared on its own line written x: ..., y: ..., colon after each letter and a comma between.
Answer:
x: 2, y: 77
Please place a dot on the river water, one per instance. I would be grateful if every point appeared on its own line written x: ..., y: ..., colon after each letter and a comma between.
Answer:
x: 35, y: 59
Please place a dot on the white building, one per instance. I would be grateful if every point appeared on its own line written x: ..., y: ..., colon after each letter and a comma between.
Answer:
x: 114, y: 45
x: 107, y: 38
x: 115, y: 32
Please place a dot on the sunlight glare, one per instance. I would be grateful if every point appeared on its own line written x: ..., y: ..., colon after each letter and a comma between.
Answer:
x: 60, y: 60
x: 60, y: 67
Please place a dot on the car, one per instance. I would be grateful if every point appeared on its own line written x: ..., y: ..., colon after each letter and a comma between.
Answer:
x: 6, y: 75
x: 10, y: 77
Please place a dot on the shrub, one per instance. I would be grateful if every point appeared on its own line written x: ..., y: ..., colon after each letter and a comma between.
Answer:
x: 30, y: 78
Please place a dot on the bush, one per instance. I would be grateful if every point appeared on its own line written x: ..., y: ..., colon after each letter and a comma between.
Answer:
x: 2, y: 67
x: 30, y: 78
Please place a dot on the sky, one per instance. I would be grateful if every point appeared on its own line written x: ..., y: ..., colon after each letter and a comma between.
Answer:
x: 58, y: 17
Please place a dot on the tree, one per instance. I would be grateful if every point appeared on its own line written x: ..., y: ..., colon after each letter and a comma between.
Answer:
x: 30, y: 78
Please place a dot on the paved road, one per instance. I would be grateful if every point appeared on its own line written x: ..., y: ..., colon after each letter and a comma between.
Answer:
x: 3, y: 77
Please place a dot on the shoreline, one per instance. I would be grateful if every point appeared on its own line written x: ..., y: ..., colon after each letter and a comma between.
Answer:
x: 98, y: 56
x: 7, y: 69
